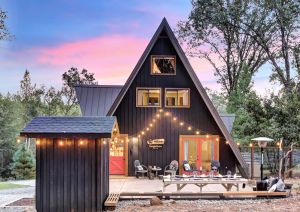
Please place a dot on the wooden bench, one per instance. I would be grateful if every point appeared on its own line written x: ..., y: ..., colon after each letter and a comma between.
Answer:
x: 111, y: 201
x: 256, y: 193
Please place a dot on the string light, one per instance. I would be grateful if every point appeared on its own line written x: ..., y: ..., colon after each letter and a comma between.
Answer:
x: 81, y: 143
x: 38, y: 142
x: 227, y: 142
x: 278, y: 143
x: 147, y: 129
x: 151, y: 125
x: 238, y: 143
x: 115, y: 129
x: 175, y: 118
x: 157, y: 115
x: 161, y: 110
x: 18, y: 140
x: 217, y: 139
x: 251, y: 145
x: 167, y: 113
x: 104, y: 142
x: 181, y: 124
x: 207, y: 136
x: 61, y: 143
x: 197, y: 132
x: 139, y: 136
x: 143, y: 132
x: 189, y: 128
x: 153, y: 120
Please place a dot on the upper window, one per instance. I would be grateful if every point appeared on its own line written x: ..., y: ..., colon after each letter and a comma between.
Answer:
x: 163, y: 65
x: 148, y: 97
x: 179, y: 97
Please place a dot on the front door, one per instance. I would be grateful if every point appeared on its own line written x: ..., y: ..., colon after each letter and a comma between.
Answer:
x: 118, y: 156
x: 199, y: 150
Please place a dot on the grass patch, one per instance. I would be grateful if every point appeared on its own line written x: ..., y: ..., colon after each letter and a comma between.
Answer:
x: 5, y: 185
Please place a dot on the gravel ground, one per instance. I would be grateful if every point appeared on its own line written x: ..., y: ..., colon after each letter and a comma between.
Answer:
x: 10, y: 195
x: 265, y: 205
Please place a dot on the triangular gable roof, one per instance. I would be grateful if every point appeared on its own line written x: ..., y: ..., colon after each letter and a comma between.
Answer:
x: 165, y: 26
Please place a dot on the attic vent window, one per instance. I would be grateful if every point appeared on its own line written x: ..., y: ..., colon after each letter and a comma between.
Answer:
x: 148, y: 97
x: 163, y: 65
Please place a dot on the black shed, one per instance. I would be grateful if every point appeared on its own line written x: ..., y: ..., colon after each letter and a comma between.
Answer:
x: 72, y: 161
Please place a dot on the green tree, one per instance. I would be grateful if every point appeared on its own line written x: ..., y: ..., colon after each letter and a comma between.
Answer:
x: 23, y: 166
x: 71, y: 78
x: 10, y: 126
x: 53, y: 103
x: 274, y: 26
x: 4, y: 33
x: 213, y: 32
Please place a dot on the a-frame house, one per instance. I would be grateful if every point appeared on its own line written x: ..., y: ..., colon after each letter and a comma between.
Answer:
x: 164, y: 113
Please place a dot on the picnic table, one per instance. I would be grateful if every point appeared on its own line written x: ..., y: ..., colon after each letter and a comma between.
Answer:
x: 227, y: 183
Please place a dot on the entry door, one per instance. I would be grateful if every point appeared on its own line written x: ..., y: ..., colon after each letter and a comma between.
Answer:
x: 118, y: 155
x: 199, y: 151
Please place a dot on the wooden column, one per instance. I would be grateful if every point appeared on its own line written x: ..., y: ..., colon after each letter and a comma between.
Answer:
x: 252, y: 162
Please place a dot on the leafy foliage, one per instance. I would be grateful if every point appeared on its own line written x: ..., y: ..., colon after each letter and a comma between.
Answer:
x: 23, y: 166
x: 213, y: 31
x: 4, y: 34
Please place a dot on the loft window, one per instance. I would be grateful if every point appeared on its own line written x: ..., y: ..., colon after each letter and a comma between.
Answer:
x: 148, y: 97
x: 163, y: 65
x: 177, y: 97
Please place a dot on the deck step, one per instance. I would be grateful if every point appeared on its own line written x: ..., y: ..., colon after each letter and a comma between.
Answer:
x: 112, y: 200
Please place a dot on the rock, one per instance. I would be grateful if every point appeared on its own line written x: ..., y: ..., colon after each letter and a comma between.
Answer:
x: 155, y: 201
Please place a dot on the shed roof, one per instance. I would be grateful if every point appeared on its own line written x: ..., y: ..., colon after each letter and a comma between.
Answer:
x: 69, y: 125
x: 96, y: 100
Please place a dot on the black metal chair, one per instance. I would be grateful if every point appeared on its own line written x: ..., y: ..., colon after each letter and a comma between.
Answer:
x: 139, y: 168
x: 187, y: 168
x: 215, y: 165
x: 171, y: 168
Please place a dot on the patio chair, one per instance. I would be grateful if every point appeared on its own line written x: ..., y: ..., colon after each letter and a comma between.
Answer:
x: 215, y: 165
x: 171, y: 168
x: 187, y: 168
x: 139, y: 168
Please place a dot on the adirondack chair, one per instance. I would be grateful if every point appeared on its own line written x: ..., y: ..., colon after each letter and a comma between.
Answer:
x: 139, y: 168
x: 171, y: 168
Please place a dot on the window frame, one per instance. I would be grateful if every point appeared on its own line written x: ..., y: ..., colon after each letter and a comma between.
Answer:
x: 177, y: 106
x: 148, y: 88
x: 151, y: 65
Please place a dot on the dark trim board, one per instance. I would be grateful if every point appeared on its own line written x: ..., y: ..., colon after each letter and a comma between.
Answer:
x: 66, y: 135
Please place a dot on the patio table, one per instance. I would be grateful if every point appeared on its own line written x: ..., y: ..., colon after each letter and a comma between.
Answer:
x: 156, y: 170
x: 227, y: 183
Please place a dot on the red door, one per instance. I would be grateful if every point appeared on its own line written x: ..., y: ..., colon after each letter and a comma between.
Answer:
x: 117, y: 165
x: 117, y: 156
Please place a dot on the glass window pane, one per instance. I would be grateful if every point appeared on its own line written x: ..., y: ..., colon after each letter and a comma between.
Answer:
x: 177, y: 97
x: 148, y: 97
x: 163, y: 65
x: 183, y: 98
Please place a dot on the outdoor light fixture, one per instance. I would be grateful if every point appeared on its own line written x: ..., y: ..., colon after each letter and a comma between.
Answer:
x: 262, y: 143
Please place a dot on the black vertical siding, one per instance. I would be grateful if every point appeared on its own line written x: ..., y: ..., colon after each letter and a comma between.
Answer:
x: 71, y: 177
x: 132, y: 119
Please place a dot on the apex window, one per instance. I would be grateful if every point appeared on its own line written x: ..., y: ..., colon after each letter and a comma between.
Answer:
x: 163, y: 65
x: 177, y: 97
x: 148, y: 97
